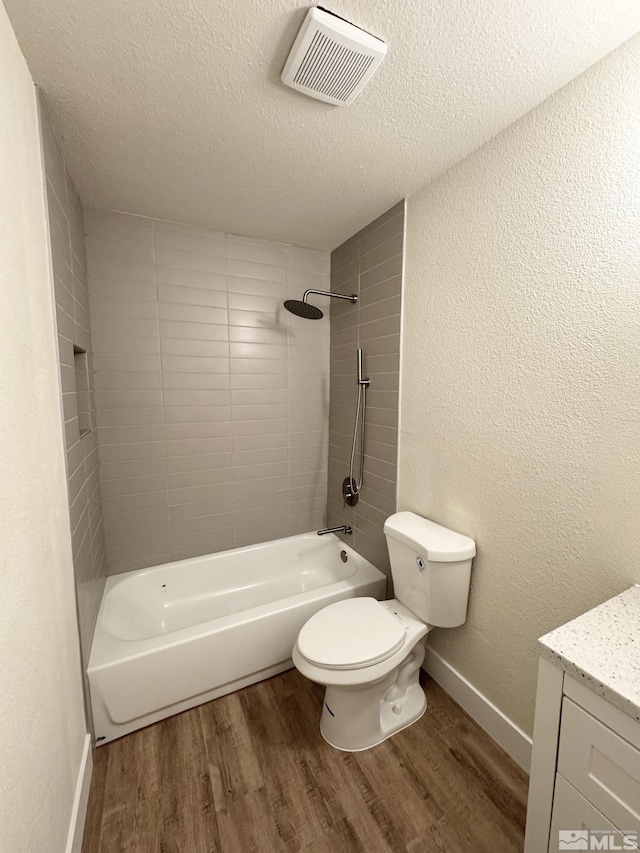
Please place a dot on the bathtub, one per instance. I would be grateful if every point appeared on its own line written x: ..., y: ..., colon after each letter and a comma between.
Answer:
x: 170, y: 637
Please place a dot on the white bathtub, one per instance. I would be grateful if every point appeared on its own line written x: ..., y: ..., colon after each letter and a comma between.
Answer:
x: 173, y: 636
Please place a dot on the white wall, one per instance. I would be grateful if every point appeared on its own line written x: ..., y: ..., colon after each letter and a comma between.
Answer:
x: 66, y: 234
x: 520, y: 402
x: 42, y: 732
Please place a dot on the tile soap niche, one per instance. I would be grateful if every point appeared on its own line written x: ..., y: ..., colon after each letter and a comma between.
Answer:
x: 81, y: 365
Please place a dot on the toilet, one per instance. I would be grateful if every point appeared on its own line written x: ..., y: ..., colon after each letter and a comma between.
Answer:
x: 368, y: 653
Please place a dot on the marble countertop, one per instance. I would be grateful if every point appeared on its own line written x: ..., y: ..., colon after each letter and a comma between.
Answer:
x: 601, y: 649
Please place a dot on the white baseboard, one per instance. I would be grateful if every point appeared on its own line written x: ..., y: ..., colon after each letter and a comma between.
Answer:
x: 497, y: 725
x: 81, y: 800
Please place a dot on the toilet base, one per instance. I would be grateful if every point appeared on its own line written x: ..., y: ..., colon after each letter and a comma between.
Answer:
x: 358, y: 718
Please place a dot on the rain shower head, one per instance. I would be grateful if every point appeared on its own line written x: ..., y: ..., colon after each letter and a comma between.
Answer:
x: 303, y: 309
x: 311, y: 312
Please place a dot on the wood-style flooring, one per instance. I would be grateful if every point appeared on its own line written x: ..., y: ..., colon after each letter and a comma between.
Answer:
x: 250, y: 772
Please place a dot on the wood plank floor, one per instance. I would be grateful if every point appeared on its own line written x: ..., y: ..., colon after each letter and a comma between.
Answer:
x: 250, y: 772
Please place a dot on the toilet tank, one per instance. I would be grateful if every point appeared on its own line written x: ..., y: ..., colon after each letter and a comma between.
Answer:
x: 431, y: 568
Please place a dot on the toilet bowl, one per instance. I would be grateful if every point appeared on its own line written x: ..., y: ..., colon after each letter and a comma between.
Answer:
x: 368, y: 653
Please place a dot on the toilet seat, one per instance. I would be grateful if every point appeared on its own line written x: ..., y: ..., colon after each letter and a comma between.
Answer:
x: 351, y: 634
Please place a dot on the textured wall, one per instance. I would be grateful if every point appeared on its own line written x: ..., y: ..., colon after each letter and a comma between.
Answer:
x: 66, y: 230
x: 212, y: 400
x: 370, y: 265
x: 521, y: 383
x: 43, y: 729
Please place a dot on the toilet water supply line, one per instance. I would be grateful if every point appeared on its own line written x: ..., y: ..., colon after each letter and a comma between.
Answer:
x: 355, y: 486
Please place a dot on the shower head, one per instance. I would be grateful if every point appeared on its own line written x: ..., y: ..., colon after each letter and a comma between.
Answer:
x: 310, y: 312
x: 303, y: 309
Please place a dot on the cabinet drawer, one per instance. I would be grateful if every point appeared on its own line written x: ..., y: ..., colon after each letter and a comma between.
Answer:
x: 572, y: 812
x: 601, y: 765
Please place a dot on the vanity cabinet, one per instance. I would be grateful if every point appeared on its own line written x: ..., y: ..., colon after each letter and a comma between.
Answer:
x: 585, y: 767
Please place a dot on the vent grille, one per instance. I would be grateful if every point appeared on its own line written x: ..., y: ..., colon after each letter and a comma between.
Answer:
x: 331, y: 68
x: 331, y: 59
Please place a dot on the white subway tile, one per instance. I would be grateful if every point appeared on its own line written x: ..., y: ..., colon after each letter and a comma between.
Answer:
x: 192, y: 295
x: 184, y: 381
x: 101, y: 249
x: 249, y: 269
x: 118, y: 226
x: 195, y: 414
x: 192, y: 313
x: 182, y: 260
x: 273, y: 254
x: 207, y: 389
x: 260, y: 351
x: 194, y: 364
x: 193, y: 331
x: 191, y: 278
x: 189, y: 244
x: 209, y: 349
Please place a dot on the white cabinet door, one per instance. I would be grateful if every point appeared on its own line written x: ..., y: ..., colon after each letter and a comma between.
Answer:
x: 601, y: 765
x: 572, y: 818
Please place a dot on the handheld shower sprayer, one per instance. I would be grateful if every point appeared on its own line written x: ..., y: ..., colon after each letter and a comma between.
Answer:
x: 351, y: 486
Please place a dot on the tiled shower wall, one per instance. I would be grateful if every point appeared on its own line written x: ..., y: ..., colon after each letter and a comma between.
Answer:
x: 212, y: 400
x: 369, y: 264
x: 72, y: 316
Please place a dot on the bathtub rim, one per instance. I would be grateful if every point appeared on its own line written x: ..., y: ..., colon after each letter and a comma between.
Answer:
x: 107, y: 650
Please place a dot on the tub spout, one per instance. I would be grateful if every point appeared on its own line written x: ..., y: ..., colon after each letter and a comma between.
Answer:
x: 343, y: 529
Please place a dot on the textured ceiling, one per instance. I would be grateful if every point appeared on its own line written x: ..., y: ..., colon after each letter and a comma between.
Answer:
x: 176, y: 110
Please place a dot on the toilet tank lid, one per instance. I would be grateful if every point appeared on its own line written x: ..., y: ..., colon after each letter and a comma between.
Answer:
x: 438, y: 544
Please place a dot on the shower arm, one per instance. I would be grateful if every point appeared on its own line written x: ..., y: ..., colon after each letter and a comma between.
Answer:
x: 352, y: 298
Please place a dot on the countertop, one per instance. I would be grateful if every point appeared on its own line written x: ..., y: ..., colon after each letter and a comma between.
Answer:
x: 601, y: 649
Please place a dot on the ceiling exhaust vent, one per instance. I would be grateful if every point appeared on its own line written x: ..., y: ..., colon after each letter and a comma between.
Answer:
x: 331, y: 59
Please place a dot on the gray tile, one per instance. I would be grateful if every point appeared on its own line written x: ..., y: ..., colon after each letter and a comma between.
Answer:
x: 124, y: 345
x: 206, y: 477
x: 196, y: 414
x: 133, y: 486
x: 206, y: 492
x: 120, y: 381
x: 198, y: 462
x: 253, y: 533
x: 375, y: 236
x: 389, y: 268
x: 202, y: 429
x: 270, y: 497
x: 132, y: 469
x: 199, y: 447
x: 128, y: 434
x: 122, y: 287
x: 129, y: 503
x: 129, y: 452
x: 220, y: 453
x: 128, y: 417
